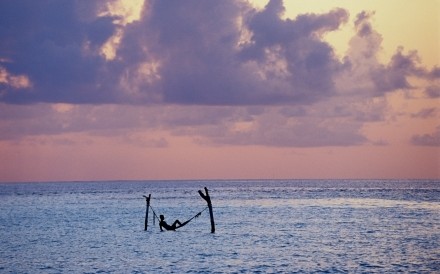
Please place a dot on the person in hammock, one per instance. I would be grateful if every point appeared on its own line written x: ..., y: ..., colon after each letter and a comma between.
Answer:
x: 174, y: 226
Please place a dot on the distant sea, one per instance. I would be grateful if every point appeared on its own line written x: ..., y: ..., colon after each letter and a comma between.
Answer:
x: 281, y: 226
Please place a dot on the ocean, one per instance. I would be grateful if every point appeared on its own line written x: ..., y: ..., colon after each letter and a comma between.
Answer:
x: 267, y: 226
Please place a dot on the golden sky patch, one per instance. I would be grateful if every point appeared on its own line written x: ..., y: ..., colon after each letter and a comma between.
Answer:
x: 415, y: 25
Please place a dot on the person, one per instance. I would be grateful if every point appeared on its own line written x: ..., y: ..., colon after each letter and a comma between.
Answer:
x: 163, y: 224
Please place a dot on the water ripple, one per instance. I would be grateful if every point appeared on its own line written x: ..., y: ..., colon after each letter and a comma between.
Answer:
x: 261, y: 227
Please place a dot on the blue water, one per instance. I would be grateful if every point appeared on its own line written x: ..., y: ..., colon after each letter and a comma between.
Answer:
x: 261, y: 226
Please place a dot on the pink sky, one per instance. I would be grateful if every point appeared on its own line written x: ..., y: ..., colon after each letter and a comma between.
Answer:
x: 238, y: 90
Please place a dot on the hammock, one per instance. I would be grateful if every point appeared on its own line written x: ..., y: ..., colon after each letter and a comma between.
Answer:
x: 182, y: 224
x: 205, y: 197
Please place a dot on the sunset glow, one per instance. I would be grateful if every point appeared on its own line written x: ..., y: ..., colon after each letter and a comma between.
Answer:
x: 121, y: 90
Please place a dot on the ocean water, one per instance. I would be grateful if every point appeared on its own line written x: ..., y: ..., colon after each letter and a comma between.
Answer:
x: 305, y: 226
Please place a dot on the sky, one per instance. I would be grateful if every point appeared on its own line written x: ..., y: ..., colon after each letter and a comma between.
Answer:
x: 165, y: 90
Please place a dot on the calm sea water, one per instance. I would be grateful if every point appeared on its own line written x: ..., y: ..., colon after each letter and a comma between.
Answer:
x: 261, y: 226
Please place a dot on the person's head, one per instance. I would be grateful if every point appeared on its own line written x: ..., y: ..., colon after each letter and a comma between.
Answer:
x: 162, y: 217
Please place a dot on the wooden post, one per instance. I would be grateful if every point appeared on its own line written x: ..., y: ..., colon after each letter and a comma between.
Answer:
x: 211, y: 214
x: 146, y: 211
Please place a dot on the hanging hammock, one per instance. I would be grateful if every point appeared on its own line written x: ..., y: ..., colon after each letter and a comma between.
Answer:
x: 182, y: 224
x: 205, y: 197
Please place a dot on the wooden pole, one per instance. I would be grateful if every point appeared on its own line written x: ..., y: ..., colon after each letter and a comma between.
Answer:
x: 211, y: 214
x: 146, y: 210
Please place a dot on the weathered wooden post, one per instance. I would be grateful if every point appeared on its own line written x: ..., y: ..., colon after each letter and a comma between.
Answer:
x: 146, y: 211
x: 211, y: 214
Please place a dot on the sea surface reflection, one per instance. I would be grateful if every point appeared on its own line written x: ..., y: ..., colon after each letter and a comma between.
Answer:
x: 261, y: 226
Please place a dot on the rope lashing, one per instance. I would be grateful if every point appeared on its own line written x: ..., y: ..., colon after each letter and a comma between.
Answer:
x: 155, y: 215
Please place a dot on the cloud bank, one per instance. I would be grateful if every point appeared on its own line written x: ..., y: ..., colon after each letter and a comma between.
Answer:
x: 222, y: 70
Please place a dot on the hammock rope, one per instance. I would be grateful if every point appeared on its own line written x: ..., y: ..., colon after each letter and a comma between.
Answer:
x: 155, y: 216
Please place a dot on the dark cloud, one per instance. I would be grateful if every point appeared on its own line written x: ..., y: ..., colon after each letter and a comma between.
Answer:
x: 432, y: 139
x: 425, y: 113
x: 278, y: 127
x: 185, y: 52
x: 219, y: 70
x: 50, y: 43
x: 401, y: 67
x: 362, y: 23
x: 435, y: 73
x: 362, y: 61
x: 42, y: 119
x: 195, y: 44
x: 395, y: 74
x: 269, y: 29
x: 282, y: 133
x: 306, y: 62
x: 433, y: 91
x: 268, y: 126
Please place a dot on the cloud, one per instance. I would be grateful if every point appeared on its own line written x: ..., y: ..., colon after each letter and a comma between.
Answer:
x: 273, y: 126
x: 363, y: 73
x: 223, y: 72
x: 286, y: 133
x: 18, y: 121
x: 432, y: 139
x: 433, y: 91
x: 191, y: 53
x: 293, y: 62
x: 56, y: 48
x: 222, y: 125
x: 13, y: 81
x: 186, y: 53
x: 425, y: 113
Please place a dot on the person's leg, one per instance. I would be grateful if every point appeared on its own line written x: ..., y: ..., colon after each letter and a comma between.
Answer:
x: 176, y: 222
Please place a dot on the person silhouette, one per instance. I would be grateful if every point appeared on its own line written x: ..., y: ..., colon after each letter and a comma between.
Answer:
x: 163, y: 224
